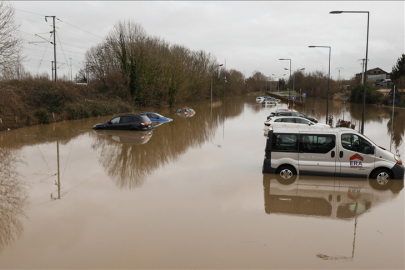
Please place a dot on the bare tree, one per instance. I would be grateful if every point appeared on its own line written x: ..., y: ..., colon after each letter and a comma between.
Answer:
x: 11, y: 43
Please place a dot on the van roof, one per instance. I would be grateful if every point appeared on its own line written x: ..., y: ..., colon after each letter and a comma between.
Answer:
x: 298, y: 129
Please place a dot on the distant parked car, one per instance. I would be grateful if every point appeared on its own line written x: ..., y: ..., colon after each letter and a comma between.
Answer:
x: 292, y: 121
x: 127, y: 122
x: 185, y: 112
x: 259, y: 99
x: 291, y: 113
x: 157, y: 119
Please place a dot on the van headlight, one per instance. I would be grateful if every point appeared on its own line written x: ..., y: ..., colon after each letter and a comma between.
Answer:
x: 398, y: 159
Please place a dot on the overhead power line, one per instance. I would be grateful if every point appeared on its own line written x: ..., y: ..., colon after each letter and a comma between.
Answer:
x: 74, y: 34
x: 80, y: 29
x: 62, y: 51
x: 29, y: 12
x: 33, y: 21
x: 40, y: 63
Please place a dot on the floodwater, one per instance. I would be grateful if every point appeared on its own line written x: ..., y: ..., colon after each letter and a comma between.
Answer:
x: 191, y: 194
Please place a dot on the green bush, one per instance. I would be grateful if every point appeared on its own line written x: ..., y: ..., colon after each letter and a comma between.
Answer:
x: 372, y: 95
x: 42, y: 116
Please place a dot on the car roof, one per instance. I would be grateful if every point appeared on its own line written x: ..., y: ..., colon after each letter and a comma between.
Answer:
x: 149, y: 112
x: 127, y: 115
x: 288, y: 116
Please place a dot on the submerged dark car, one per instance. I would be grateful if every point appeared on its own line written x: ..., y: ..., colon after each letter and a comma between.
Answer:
x: 127, y: 122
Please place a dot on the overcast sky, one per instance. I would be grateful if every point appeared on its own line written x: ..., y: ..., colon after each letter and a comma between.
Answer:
x: 248, y: 35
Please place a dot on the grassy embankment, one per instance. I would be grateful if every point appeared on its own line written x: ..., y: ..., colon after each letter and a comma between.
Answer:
x: 32, y: 102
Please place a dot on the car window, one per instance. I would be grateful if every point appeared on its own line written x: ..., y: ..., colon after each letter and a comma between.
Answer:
x: 317, y: 143
x: 301, y: 121
x: 278, y: 120
x: 152, y: 115
x: 125, y: 119
x: 284, y: 142
x: 145, y: 119
x: 115, y: 120
x: 288, y: 120
x: 356, y: 143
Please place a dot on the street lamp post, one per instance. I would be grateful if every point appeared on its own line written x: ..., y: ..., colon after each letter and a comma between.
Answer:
x: 327, y: 94
x: 365, y: 77
x: 289, y: 81
x: 212, y: 75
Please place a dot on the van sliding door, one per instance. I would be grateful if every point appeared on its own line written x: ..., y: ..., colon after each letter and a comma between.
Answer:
x: 317, y: 154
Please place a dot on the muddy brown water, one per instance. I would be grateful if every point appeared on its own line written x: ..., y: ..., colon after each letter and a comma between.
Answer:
x: 191, y: 194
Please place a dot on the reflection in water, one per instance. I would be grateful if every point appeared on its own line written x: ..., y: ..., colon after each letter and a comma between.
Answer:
x: 128, y: 159
x: 126, y: 137
x: 337, y: 198
x: 13, y: 198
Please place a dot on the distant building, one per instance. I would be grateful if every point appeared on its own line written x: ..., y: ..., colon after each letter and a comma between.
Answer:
x: 381, y: 78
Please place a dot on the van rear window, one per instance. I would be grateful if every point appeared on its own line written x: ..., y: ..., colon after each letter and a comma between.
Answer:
x: 284, y: 142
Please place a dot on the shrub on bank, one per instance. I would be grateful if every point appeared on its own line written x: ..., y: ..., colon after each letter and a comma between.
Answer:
x: 42, y: 116
x: 372, y: 95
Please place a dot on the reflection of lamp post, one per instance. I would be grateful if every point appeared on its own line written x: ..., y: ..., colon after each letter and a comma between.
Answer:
x: 327, y: 95
x: 365, y: 77
x: 289, y: 81
x: 327, y: 257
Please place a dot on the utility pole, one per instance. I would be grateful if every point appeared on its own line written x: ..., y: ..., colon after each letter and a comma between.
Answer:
x: 362, y: 69
x: 52, y: 69
x: 87, y: 72
x: 54, y: 42
x: 71, y: 75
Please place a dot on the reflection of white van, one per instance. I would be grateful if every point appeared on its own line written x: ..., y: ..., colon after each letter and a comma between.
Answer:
x: 329, y: 152
x: 340, y: 198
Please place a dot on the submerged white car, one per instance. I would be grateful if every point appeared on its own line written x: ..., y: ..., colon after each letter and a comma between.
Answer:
x: 293, y: 122
x: 259, y: 99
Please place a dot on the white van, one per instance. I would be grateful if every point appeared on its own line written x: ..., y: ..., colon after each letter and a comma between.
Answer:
x: 329, y: 152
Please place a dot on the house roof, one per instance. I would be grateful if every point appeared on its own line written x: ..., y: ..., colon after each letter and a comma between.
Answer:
x: 375, y: 69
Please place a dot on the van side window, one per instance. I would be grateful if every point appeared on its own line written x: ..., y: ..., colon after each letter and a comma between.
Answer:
x: 284, y: 142
x: 356, y: 143
x: 317, y: 143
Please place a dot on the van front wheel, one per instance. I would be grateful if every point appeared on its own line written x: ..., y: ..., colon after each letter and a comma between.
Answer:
x: 286, y: 175
x: 382, y: 179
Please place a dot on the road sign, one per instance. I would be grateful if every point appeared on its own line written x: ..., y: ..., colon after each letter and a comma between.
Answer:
x: 294, y: 96
x: 304, y: 95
